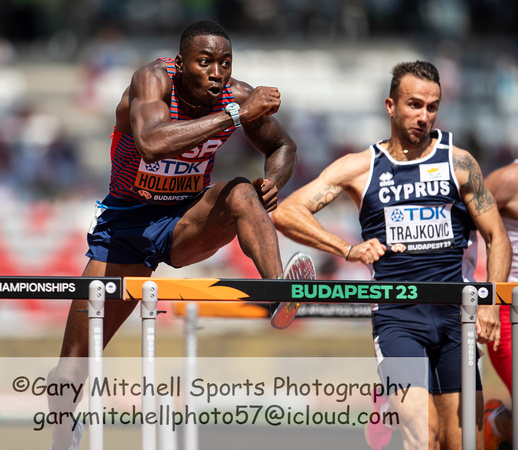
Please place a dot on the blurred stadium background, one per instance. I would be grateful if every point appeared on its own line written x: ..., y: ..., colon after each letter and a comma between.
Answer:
x: 64, y: 65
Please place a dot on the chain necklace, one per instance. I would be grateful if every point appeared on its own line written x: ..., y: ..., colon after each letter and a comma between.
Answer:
x: 405, y: 151
x: 186, y: 102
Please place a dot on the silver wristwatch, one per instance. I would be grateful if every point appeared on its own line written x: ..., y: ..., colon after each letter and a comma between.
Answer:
x: 232, y: 109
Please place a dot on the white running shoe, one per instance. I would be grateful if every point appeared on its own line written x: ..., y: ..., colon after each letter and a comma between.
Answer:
x: 299, y: 267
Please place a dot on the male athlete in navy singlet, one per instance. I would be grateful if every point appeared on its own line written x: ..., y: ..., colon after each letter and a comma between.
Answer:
x: 420, y: 200
x: 161, y: 206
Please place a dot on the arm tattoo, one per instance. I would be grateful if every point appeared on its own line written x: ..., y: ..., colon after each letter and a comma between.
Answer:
x: 481, y: 199
x: 323, y: 198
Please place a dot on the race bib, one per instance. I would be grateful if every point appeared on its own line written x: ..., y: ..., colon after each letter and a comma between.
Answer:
x: 419, y: 228
x: 170, y: 180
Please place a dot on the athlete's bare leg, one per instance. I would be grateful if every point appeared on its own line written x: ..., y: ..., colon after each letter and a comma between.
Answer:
x: 450, y: 420
x: 442, y: 428
x: 418, y: 430
x: 226, y: 210
x: 72, y: 366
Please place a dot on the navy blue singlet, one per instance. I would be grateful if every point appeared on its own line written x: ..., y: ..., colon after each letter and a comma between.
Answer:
x: 415, y: 209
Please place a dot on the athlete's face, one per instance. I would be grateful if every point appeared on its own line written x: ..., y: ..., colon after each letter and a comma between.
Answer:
x: 414, y: 110
x: 205, y: 68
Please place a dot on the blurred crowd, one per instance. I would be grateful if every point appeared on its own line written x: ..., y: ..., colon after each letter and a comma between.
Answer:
x: 32, y: 19
x: 53, y: 146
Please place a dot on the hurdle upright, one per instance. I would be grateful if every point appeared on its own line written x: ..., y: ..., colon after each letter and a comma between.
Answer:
x: 469, y: 362
x: 148, y: 313
x: 96, y: 299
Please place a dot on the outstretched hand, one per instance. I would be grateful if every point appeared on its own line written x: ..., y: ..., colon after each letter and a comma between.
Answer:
x: 267, y: 192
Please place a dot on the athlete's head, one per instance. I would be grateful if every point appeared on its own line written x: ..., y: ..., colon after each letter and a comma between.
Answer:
x: 204, y: 64
x: 419, y: 69
x: 200, y: 28
x: 413, y: 104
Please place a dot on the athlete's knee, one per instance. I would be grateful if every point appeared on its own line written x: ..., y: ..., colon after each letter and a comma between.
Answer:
x: 241, y: 195
x: 240, y: 185
x: 435, y: 435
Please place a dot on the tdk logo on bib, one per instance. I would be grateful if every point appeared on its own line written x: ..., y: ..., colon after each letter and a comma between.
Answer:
x: 426, y: 212
x: 175, y: 167
x: 183, y: 168
x: 397, y: 215
x: 154, y: 167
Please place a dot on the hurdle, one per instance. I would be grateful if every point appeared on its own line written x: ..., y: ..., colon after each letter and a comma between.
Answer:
x: 151, y: 290
x: 467, y: 295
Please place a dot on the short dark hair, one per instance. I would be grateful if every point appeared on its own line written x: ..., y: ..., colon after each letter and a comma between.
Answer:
x: 201, y: 28
x: 420, y: 69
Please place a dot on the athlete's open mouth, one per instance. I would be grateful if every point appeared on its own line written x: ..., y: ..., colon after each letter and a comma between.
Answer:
x: 215, y: 90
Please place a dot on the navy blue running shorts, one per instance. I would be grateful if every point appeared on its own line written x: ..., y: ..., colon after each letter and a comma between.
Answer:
x: 416, y: 332
x: 135, y: 234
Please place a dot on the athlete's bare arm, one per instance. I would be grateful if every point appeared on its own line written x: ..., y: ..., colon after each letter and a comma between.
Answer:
x: 503, y: 185
x: 484, y: 212
x: 144, y: 112
x: 267, y: 136
x: 295, y: 216
x: 145, y: 107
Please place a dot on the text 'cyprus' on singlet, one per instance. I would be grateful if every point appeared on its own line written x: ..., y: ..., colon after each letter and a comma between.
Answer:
x: 170, y: 180
x: 415, y: 209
